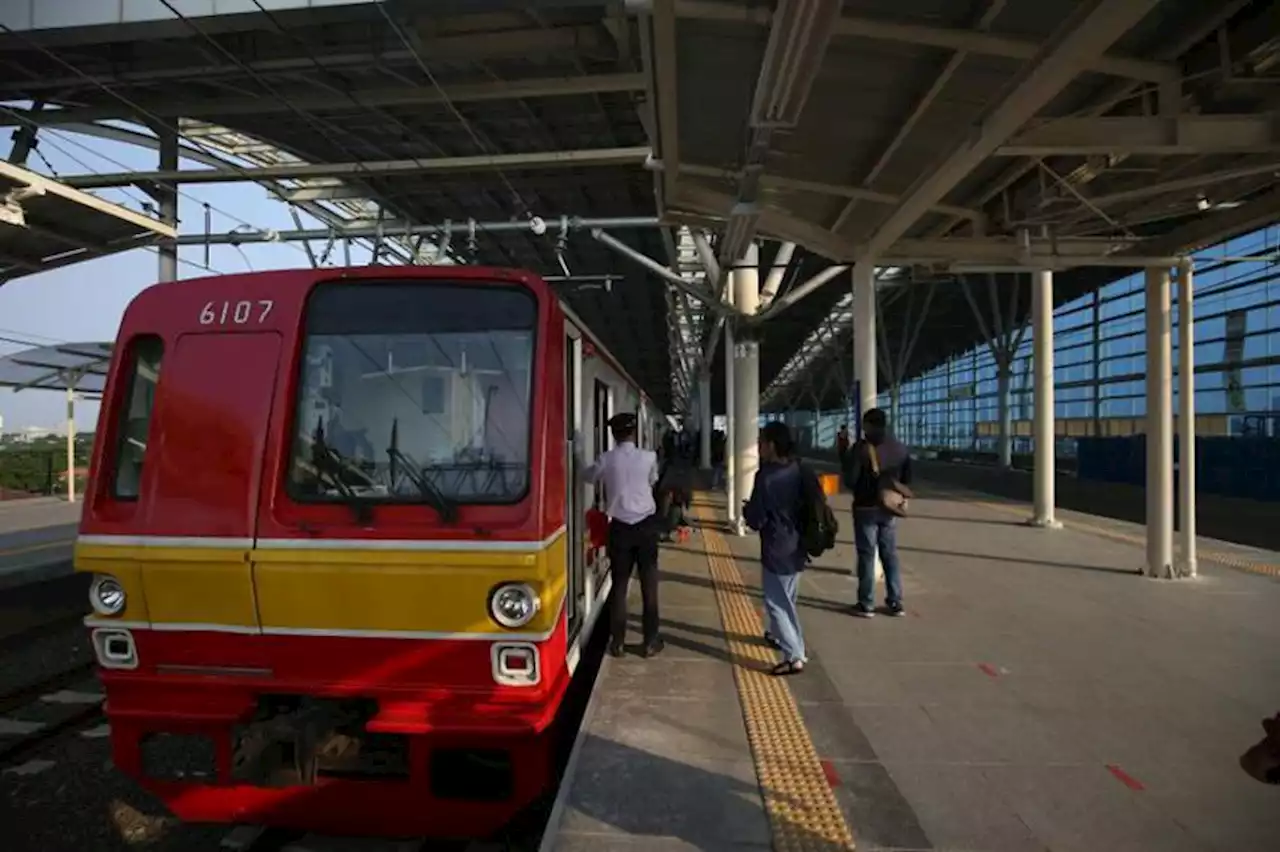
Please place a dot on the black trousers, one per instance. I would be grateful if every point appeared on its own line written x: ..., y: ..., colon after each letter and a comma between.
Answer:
x: 633, y: 547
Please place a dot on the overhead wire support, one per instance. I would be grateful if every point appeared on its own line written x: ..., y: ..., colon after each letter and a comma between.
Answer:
x: 138, y: 109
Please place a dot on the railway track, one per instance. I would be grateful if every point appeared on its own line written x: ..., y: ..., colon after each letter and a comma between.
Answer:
x: 37, y: 714
x: 38, y: 621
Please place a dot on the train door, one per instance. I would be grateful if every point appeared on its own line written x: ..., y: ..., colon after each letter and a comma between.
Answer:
x: 602, y: 409
x: 579, y: 598
x: 212, y: 415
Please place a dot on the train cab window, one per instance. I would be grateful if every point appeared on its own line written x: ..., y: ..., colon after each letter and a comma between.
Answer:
x: 143, y: 375
x: 414, y: 390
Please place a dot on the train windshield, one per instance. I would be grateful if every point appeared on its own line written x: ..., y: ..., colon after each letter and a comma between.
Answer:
x: 414, y: 392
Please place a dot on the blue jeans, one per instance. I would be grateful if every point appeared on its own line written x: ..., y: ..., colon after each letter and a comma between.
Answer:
x: 877, y: 529
x: 781, y: 618
x: 717, y: 477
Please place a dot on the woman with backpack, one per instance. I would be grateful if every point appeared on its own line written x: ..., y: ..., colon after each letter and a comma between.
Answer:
x: 777, y: 510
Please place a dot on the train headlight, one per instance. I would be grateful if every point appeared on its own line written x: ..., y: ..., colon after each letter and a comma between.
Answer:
x: 513, y: 604
x: 106, y: 595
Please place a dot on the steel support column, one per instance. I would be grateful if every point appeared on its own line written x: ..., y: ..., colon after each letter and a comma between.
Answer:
x: 73, y: 378
x: 1043, y: 430
x: 704, y: 416
x: 746, y: 377
x: 864, y: 349
x: 730, y: 416
x: 864, y: 333
x: 1004, y: 384
x: 167, y: 199
x: 1159, y: 426
x: 1186, y: 420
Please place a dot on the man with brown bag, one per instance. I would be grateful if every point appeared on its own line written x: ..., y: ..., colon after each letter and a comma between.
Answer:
x: 877, y: 471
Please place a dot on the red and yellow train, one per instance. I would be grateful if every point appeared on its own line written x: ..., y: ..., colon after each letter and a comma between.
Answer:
x: 341, y: 571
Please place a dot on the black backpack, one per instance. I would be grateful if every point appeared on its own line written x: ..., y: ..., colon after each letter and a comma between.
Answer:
x: 818, y: 523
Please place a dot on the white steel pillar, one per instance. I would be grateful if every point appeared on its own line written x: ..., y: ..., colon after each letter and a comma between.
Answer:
x: 1186, y: 420
x: 1043, y: 430
x: 1004, y: 382
x: 71, y: 442
x: 730, y: 440
x: 1159, y: 426
x: 864, y: 335
x: 864, y: 349
x: 167, y: 199
x: 704, y: 416
x: 746, y: 379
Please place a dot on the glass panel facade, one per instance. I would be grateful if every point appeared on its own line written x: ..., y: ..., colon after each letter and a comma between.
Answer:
x: 1100, y: 363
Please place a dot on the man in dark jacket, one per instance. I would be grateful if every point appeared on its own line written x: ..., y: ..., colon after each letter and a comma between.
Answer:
x: 874, y: 528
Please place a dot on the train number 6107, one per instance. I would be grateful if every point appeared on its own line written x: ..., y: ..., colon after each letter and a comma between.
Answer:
x: 236, y: 313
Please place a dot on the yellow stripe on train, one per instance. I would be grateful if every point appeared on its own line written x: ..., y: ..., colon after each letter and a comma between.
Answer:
x: 317, y: 589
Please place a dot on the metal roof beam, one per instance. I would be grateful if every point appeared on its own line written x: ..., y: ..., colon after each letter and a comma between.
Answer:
x: 373, y: 169
x: 946, y: 38
x: 41, y: 185
x: 480, y: 46
x: 1146, y: 134
x: 403, y: 229
x: 308, y: 100
x: 1193, y: 182
x: 1093, y: 28
x: 1215, y: 226
x: 773, y: 181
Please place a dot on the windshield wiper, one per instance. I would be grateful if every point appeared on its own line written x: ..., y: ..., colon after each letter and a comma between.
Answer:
x: 436, y: 499
x: 331, y: 463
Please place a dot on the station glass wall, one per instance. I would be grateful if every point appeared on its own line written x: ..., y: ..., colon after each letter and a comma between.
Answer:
x: 1099, y: 361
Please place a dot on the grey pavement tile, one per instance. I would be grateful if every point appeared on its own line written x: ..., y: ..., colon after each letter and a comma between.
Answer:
x: 662, y: 676
x: 1226, y: 818
x: 957, y: 810
x: 708, y: 732
x: 1085, y: 808
x: 875, y: 809
x: 619, y: 790
x: 611, y: 842
x: 1000, y: 732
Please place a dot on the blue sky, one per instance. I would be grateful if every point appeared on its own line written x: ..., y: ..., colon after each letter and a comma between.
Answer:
x: 85, y: 302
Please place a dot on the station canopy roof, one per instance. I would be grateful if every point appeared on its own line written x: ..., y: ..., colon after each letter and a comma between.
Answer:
x: 79, y: 366
x: 925, y: 134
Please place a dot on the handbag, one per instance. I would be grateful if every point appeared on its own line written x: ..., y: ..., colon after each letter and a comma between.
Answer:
x: 892, y: 495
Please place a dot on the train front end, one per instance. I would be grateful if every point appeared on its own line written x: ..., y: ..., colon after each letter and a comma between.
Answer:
x: 327, y: 533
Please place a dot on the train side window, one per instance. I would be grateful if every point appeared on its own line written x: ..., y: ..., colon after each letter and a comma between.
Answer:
x: 145, y: 354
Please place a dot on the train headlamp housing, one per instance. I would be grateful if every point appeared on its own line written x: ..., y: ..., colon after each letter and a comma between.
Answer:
x: 107, y: 595
x: 513, y: 604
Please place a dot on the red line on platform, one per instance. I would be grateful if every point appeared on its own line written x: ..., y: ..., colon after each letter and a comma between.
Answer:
x: 1125, y: 778
x: 829, y: 770
x: 988, y: 669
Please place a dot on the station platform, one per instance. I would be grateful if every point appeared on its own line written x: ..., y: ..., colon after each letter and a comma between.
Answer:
x: 1040, y: 694
x: 37, y: 538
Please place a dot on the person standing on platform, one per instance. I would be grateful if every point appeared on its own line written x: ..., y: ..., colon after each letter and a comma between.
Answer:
x: 718, y: 440
x: 629, y: 475
x: 776, y: 510
x: 876, y: 463
x: 842, y: 442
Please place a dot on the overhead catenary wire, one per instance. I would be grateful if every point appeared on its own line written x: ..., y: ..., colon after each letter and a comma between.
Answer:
x: 351, y: 96
x: 448, y: 102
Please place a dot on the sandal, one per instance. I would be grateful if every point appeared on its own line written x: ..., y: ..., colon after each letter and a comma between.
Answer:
x: 787, y: 667
x: 772, y: 641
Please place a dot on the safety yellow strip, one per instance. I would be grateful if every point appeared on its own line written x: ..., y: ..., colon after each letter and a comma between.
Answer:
x: 803, y: 811
x: 1230, y: 559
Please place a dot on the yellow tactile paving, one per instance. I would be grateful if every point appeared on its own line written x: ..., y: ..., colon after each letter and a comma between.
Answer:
x: 803, y: 812
x: 1222, y: 557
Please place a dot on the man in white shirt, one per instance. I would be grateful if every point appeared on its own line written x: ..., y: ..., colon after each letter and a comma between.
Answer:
x: 628, y: 475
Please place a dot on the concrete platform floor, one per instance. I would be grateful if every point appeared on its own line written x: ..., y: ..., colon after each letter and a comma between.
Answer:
x: 37, y: 537
x: 1039, y: 696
